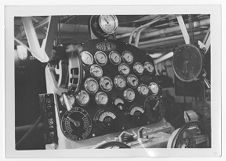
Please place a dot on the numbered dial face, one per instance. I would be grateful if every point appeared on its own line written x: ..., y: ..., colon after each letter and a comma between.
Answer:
x: 120, y: 81
x: 106, y: 84
x: 101, y: 58
x: 154, y: 88
x: 76, y: 124
x: 104, y: 118
x: 129, y: 95
x: 96, y: 71
x: 143, y: 89
x: 91, y: 85
x: 108, y: 23
x: 132, y: 80
x: 86, y: 57
x: 114, y: 57
x: 82, y: 98
x: 136, y: 111
x: 123, y: 69
x: 149, y: 67
x: 101, y: 98
x: 138, y: 68
x: 127, y: 57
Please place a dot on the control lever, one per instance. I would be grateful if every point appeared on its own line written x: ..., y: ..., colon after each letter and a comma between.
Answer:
x: 127, y: 137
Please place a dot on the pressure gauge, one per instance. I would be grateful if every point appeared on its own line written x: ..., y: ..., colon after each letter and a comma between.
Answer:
x: 101, y: 58
x: 86, y: 57
x: 127, y: 57
x: 123, y: 69
x: 82, y: 98
x: 143, y: 89
x: 149, y: 67
x: 138, y: 68
x: 154, y: 88
x: 101, y: 98
x: 106, y: 84
x: 114, y: 57
x: 120, y: 81
x: 129, y: 94
x: 132, y: 80
x: 104, y: 119
x: 91, y: 85
x: 136, y: 111
x: 96, y: 71
x: 108, y: 23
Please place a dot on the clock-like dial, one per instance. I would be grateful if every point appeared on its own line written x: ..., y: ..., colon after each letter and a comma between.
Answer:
x: 101, y: 58
x: 82, y: 98
x: 127, y: 57
x: 108, y: 23
x: 129, y: 94
x: 120, y: 81
x: 96, y: 71
x: 123, y: 69
x: 86, y: 57
x: 114, y: 57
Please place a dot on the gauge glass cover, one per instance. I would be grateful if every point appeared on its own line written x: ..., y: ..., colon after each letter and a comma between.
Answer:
x: 138, y: 68
x: 143, y: 89
x: 123, y: 69
x: 91, y: 85
x: 132, y: 80
x: 127, y: 57
x: 101, y: 98
x: 120, y: 81
x: 114, y: 57
x: 106, y: 84
x: 96, y: 71
x: 100, y: 58
x: 129, y: 95
x: 108, y: 23
x: 82, y: 98
x: 86, y: 57
x: 149, y: 67
x: 154, y: 88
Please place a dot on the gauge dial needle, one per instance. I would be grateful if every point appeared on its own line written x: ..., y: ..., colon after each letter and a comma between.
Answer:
x: 76, y: 123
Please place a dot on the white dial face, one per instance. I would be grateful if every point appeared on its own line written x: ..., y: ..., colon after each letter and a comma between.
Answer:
x: 149, y: 67
x: 101, y: 98
x: 120, y: 81
x: 82, y: 98
x: 136, y: 110
x: 138, y: 68
x: 124, y: 69
x: 143, y: 89
x: 127, y: 57
x: 86, y: 57
x: 108, y: 23
x: 91, y: 85
x: 106, y: 84
x: 106, y: 114
x: 115, y: 58
x: 101, y: 58
x: 96, y: 71
x: 129, y: 95
x: 132, y: 80
x: 154, y: 88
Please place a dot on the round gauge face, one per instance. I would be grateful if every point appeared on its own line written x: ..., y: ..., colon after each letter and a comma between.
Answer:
x: 96, y: 71
x: 106, y: 84
x: 120, y: 81
x: 104, y: 118
x: 123, y: 69
x: 127, y: 57
x: 86, y: 57
x: 114, y: 57
x: 76, y: 124
x: 154, y: 88
x: 82, y: 98
x: 136, y: 111
x: 149, y: 67
x: 101, y: 98
x: 143, y: 89
x: 108, y: 23
x: 138, y: 68
x: 101, y: 58
x: 91, y: 85
x: 132, y: 80
x: 129, y: 94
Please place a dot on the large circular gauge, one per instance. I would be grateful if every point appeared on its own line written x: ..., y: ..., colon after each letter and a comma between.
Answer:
x: 114, y: 57
x: 127, y: 57
x: 106, y: 84
x: 104, y: 119
x: 82, y: 98
x: 108, y: 23
x: 86, y: 57
x: 138, y: 68
x: 91, y: 85
x: 101, y: 98
x: 120, y: 81
x: 76, y: 124
x: 123, y: 69
x: 129, y: 94
x: 143, y: 89
x: 154, y: 88
x: 132, y: 80
x: 149, y: 67
x: 96, y: 71
x: 100, y: 58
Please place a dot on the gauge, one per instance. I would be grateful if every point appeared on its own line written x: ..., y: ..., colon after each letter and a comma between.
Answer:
x: 132, y: 80
x: 149, y: 67
x: 118, y: 102
x: 104, y: 119
x: 154, y: 88
x: 96, y: 71
x: 101, y: 98
x: 129, y: 94
x: 123, y: 69
x: 120, y: 81
x: 138, y: 68
x: 101, y: 58
x: 127, y: 57
x: 76, y: 124
x: 108, y: 23
x: 136, y: 111
x: 82, y: 98
x: 143, y: 89
x: 91, y: 85
x: 106, y: 84
x: 86, y: 57
x: 114, y: 57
